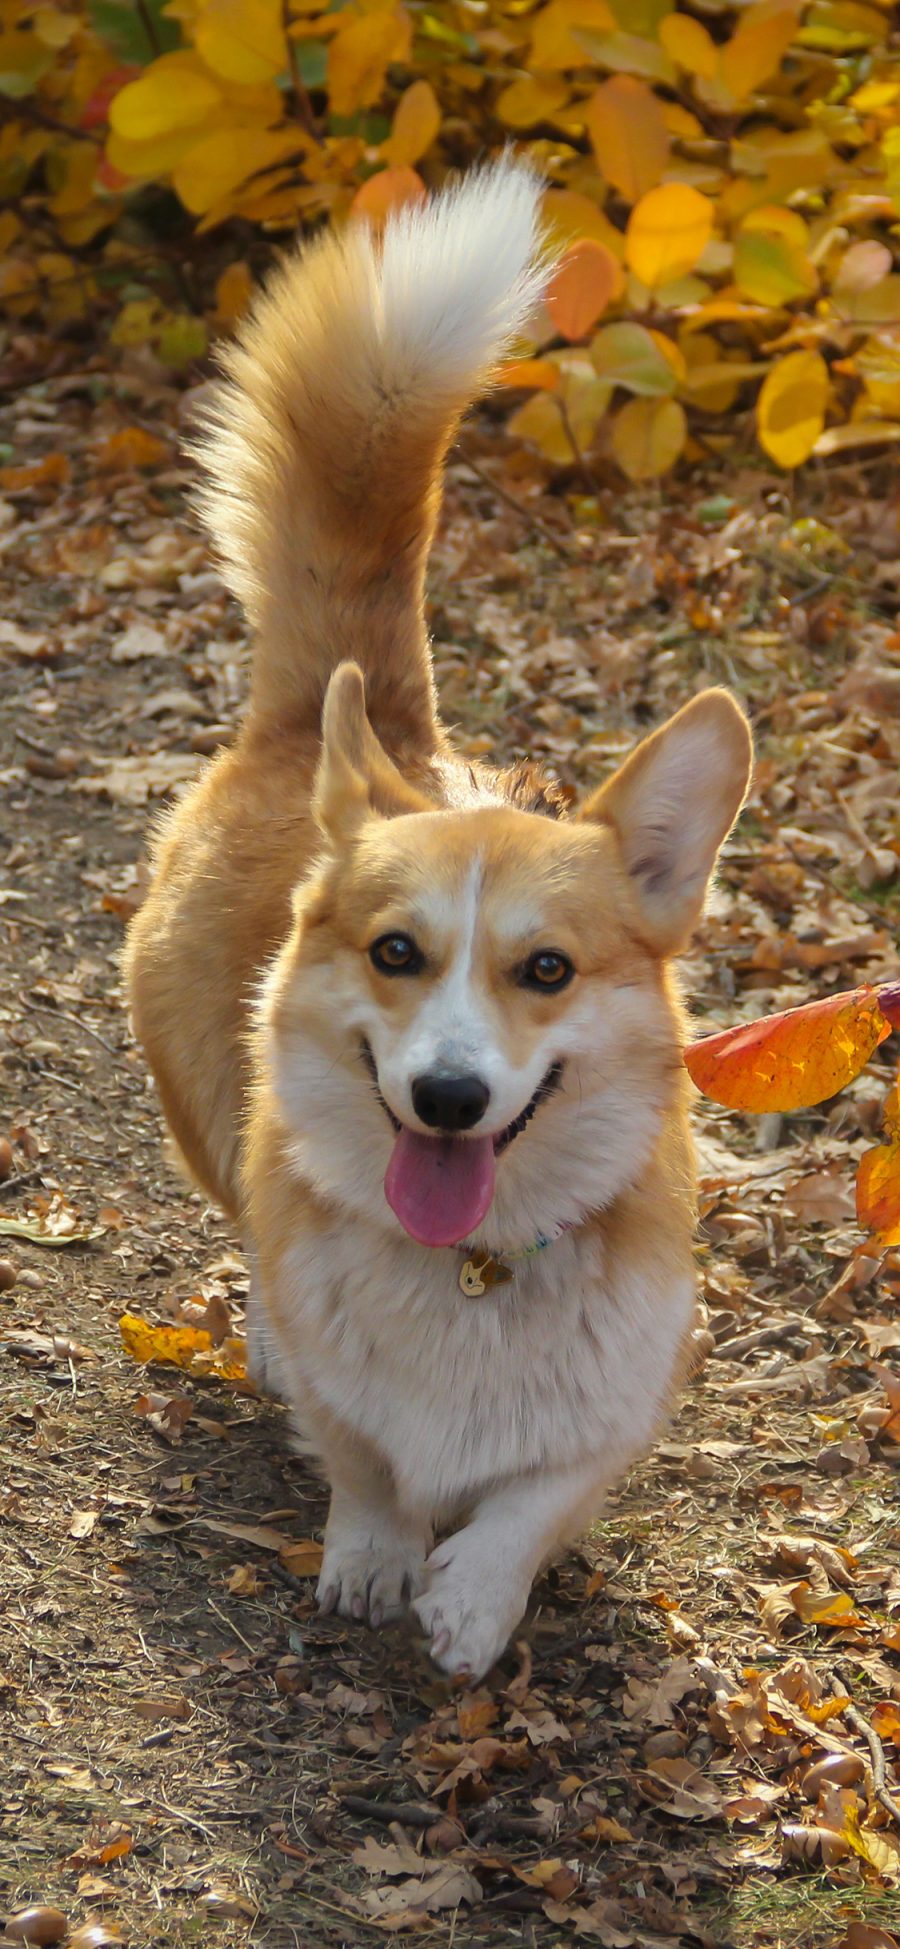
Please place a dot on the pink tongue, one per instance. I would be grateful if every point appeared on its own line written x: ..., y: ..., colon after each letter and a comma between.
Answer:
x: 440, y: 1187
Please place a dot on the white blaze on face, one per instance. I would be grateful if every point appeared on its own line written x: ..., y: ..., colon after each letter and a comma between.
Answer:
x: 458, y: 1028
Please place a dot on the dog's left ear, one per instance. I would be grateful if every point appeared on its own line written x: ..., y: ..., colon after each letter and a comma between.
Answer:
x: 356, y: 778
x: 671, y: 805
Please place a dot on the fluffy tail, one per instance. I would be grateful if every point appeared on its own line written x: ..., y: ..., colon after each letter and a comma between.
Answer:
x: 324, y: 445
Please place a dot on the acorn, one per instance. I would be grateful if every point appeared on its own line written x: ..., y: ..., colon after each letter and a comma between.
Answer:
x: 38, y: 1924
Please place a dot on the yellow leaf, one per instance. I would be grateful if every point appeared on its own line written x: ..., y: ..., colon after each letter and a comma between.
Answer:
x: 23, y: 60
x: 53, y: 27
x: 220, y: 163
x: 187, y: 1347
x: 681, y: 123
x: 417, y: 120
x: 138, y: 322
x: 169, y: 1346
x: 778, y: 221
x: 563, y: 437
x: 532, y: 98
x: 834, y: 1608
x: 242, y: 40
x: 359, y: 57
x: 585, y: 280
x: 628, y: 355
x: 233, y: 292
x: 668, y: 231
x: 79, y: 172
x: 879, y: 305
x: 554, y: 42
x: 790, y: 411
x: 863, y: 433
x: 142, y: 161
x: 689, y: 44
x: 629, y: 135
x: 648, y: 436
x: 878, y: 1847
x: 771, y: 269
x: 388, y: 190
x: 569, y: 216
x: 708, y: 375
x: 755, y: 49
x: 170, y: 95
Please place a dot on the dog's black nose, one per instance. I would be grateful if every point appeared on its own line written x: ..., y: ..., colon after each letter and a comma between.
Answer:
x: 450, y: 1102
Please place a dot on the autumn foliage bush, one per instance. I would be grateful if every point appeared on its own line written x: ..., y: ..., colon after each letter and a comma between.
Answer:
x: 723, y: 182
x: 723, y: 179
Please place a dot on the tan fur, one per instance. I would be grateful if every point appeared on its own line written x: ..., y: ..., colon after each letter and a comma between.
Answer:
x: 312, y: 837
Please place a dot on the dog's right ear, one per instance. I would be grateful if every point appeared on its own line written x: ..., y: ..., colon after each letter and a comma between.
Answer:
x: 356, y: 778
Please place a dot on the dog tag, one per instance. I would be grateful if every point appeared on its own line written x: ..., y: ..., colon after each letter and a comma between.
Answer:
x: 477, y: 1276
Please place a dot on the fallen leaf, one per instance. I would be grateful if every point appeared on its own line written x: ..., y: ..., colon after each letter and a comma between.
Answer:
x: 790, y: 1060
x: 302, y: 1558
x: 82, y: 1524
x: 167, y: 1414
x: 131, y: 447
x: 169, y: 1706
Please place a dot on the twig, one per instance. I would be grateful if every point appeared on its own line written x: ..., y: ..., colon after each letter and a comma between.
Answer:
x: 526, y: 514
x: 592, y: 483
x: 305, y: 113
x: 28, y: 111
x: 22, y: 1177
x: 859, y: 1724
x: 764, y: 1336
x: 408, y: 1813
x: 47, y: 1008
x: 233, y: 1627
x: 190, y: 1820
x: 149, y: 26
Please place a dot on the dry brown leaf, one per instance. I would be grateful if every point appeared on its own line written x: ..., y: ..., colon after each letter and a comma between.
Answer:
x: 82, y: 1524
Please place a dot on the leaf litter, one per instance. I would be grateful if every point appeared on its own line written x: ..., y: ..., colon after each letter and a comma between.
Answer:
x: 695, y: 1733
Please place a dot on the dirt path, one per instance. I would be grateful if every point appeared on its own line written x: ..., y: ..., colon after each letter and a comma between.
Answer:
x: 188, y: 1752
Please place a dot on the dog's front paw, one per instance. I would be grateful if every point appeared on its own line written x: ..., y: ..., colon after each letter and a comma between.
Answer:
x: 469, y: 1608
x: 371, y: 1575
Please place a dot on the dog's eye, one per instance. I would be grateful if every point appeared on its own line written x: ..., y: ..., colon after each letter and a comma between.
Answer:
x: 548, y: 970
x: 395, y: 954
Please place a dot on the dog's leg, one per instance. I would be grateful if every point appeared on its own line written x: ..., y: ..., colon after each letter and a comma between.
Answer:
x: 374, y: 1555
x: 477, y: 1582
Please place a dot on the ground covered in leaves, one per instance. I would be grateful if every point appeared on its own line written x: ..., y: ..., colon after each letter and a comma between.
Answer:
x: 696, y: 1738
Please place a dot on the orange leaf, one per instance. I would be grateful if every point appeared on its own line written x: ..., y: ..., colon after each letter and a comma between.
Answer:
x: 537, y: 374
x: 628, y: 131
x: 790, y: 1060
x: 878, y: 1193
x: 387, y: 191
x: 132, y: 447
x: 302, y: 1558
x: 585, y: 280
x: 53, y: 467
x: 416, y: 123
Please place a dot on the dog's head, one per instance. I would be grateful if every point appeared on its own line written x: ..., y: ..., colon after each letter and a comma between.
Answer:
x: 472, y: 1026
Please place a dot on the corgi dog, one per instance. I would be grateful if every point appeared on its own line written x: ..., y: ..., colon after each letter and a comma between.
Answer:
x: 413, y: 1025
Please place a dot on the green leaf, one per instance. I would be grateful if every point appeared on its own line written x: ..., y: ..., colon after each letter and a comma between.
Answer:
x: 120, y: 24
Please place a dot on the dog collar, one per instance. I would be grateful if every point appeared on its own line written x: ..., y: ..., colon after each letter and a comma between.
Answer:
x: 482, y: 1271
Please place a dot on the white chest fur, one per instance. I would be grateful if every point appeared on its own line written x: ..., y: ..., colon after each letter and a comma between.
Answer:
x: 553, y: 1369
